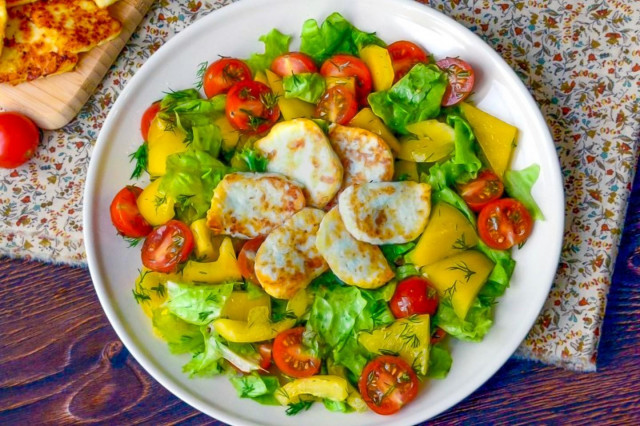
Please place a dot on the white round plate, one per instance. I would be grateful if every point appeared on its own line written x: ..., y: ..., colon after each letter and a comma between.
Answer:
x: 234, y: 31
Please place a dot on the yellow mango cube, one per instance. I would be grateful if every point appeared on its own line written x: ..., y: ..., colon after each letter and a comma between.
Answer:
x: 379, y: 63
x: 225, y: 269
x: 366, y: 119
x: 154, y: 205
x: 162, y: 143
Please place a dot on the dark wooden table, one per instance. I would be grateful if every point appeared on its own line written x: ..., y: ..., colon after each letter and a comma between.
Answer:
x: 61, y: 362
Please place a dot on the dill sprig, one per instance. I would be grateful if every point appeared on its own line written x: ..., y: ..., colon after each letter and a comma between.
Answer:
x: 141, y: 158
x: 295, y: 408
x: 202, y: 69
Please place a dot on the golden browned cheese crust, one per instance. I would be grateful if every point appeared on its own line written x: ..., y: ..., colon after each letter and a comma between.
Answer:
x: 44, y: 37
x: 249, y: 205
x: 288, y: 259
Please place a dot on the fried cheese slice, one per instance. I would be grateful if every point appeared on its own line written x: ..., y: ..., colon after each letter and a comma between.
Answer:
x: 249, y: 205
x: 3, y: 21
x: 288, y: 259
x: 386, y: 212
x: 45, y: 37
x: 354, y: 262
x: 365, y: 156
x: 300, y: 150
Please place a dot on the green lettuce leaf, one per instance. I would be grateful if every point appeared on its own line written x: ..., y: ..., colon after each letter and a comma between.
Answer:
x: 197, y: 304
x: 259, y: 388
x: 473, y: 328
x: 308, y: 87
x: 181, y: 336
x: 275, y: 44
x: 518, y: 184
x: 250, y: 160
x: 439, y: 362
x: 465, y: 146
x: 191, y: 178
x: 336, y: 35
x: 208, y: 362
x: 415, y: 97
x: 337, y: 406
x: 394, y: 252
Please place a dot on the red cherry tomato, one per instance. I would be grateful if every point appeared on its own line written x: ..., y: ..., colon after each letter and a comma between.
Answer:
x: 338, y: 105
x: 437, y: 336
x: 166, y: 246
x: 504, y: 223
x: 247, y: 259
x: 461, y: 80
x: 251, y: 107
x: 222, y: 74
x: 19, y: 139
x: 293, y: 63
x: 414, y: 296
x: 387, y: 384
x: 404, y: 55
x: 125, y: 215
x: 350, y: 66
x: 480, y: 191
x: 147, y: 118
x: 290, y: 355
x: 264, y: 350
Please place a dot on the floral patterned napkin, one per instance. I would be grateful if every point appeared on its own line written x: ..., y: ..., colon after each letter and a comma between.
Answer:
x: 581, y: 61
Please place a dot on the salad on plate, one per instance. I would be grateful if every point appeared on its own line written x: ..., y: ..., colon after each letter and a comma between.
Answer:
x: 319, y: 224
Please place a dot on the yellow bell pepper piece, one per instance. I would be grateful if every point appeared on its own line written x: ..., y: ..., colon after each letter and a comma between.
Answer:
x: 162, y: 143
x: 321, y: 387
x: 224, y: 269
x: 447, y: 233
x: 151, y: 289
x: 289, y: 108
x: 348, y: 83
x: 432, y: 141
x: 408, y: 337
x: 408, y: 170
x: 495, y: 137
x: 354, y: 400
x: 258, y: 327
x: 239, y: 304
x: 204, y: 243
x: 230, y: 136
x: 379, y: 63
x: 460, y: 278
x: 155, y: 206
x: 366, y: 119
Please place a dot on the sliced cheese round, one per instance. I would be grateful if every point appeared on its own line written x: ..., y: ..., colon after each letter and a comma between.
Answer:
x: 248, y: 205
x: 288, y: 259
x: 300, y: 150
x: 385, y: 212
x: 354, y: 262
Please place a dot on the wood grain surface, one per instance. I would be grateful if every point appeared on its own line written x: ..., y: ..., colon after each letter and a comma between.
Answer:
x: 54, y: 101
x: 62, y: 363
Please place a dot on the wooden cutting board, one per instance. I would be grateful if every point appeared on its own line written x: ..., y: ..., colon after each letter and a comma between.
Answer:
x: 54, y: 101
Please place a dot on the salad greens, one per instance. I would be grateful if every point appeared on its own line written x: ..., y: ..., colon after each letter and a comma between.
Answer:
x: 308, y: 87
x: 275, y: 44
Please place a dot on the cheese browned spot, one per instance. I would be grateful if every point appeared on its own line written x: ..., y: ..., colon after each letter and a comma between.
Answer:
x: 300, y: 150
x: 365, y: 156
x: 248, y: 205
x: 386, y: 212
x: 354, y: 262
x: 288, y: 259
x: 45, y: 37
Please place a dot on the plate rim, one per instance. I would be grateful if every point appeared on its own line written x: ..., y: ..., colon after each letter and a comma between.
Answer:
x: 90, y: 195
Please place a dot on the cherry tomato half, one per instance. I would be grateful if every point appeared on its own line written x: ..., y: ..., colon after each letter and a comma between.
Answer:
x: 19, y: 138
x: 290, y: 355
x: 437, y: 336
x: 222, y: 74
x: 404, y: 55
x: 350, y: 66
x: 293, y: 63
x: 251, y: 107
x: 387, y: 384
x: 480, y: 191
x: 414, y: 296
x: 461, y: 80
x: 247, y: 259
x: 337, y: 105
x: 264, y: 350
x: 147, y: 118
x: 166, y: 246
x: 125, y: 215
x: 504, y: 223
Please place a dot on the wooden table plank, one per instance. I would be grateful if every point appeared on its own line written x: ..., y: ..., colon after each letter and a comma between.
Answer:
x: 61, y: 362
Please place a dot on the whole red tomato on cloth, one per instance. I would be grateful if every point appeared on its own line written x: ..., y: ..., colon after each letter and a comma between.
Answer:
x: 19, y: 138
